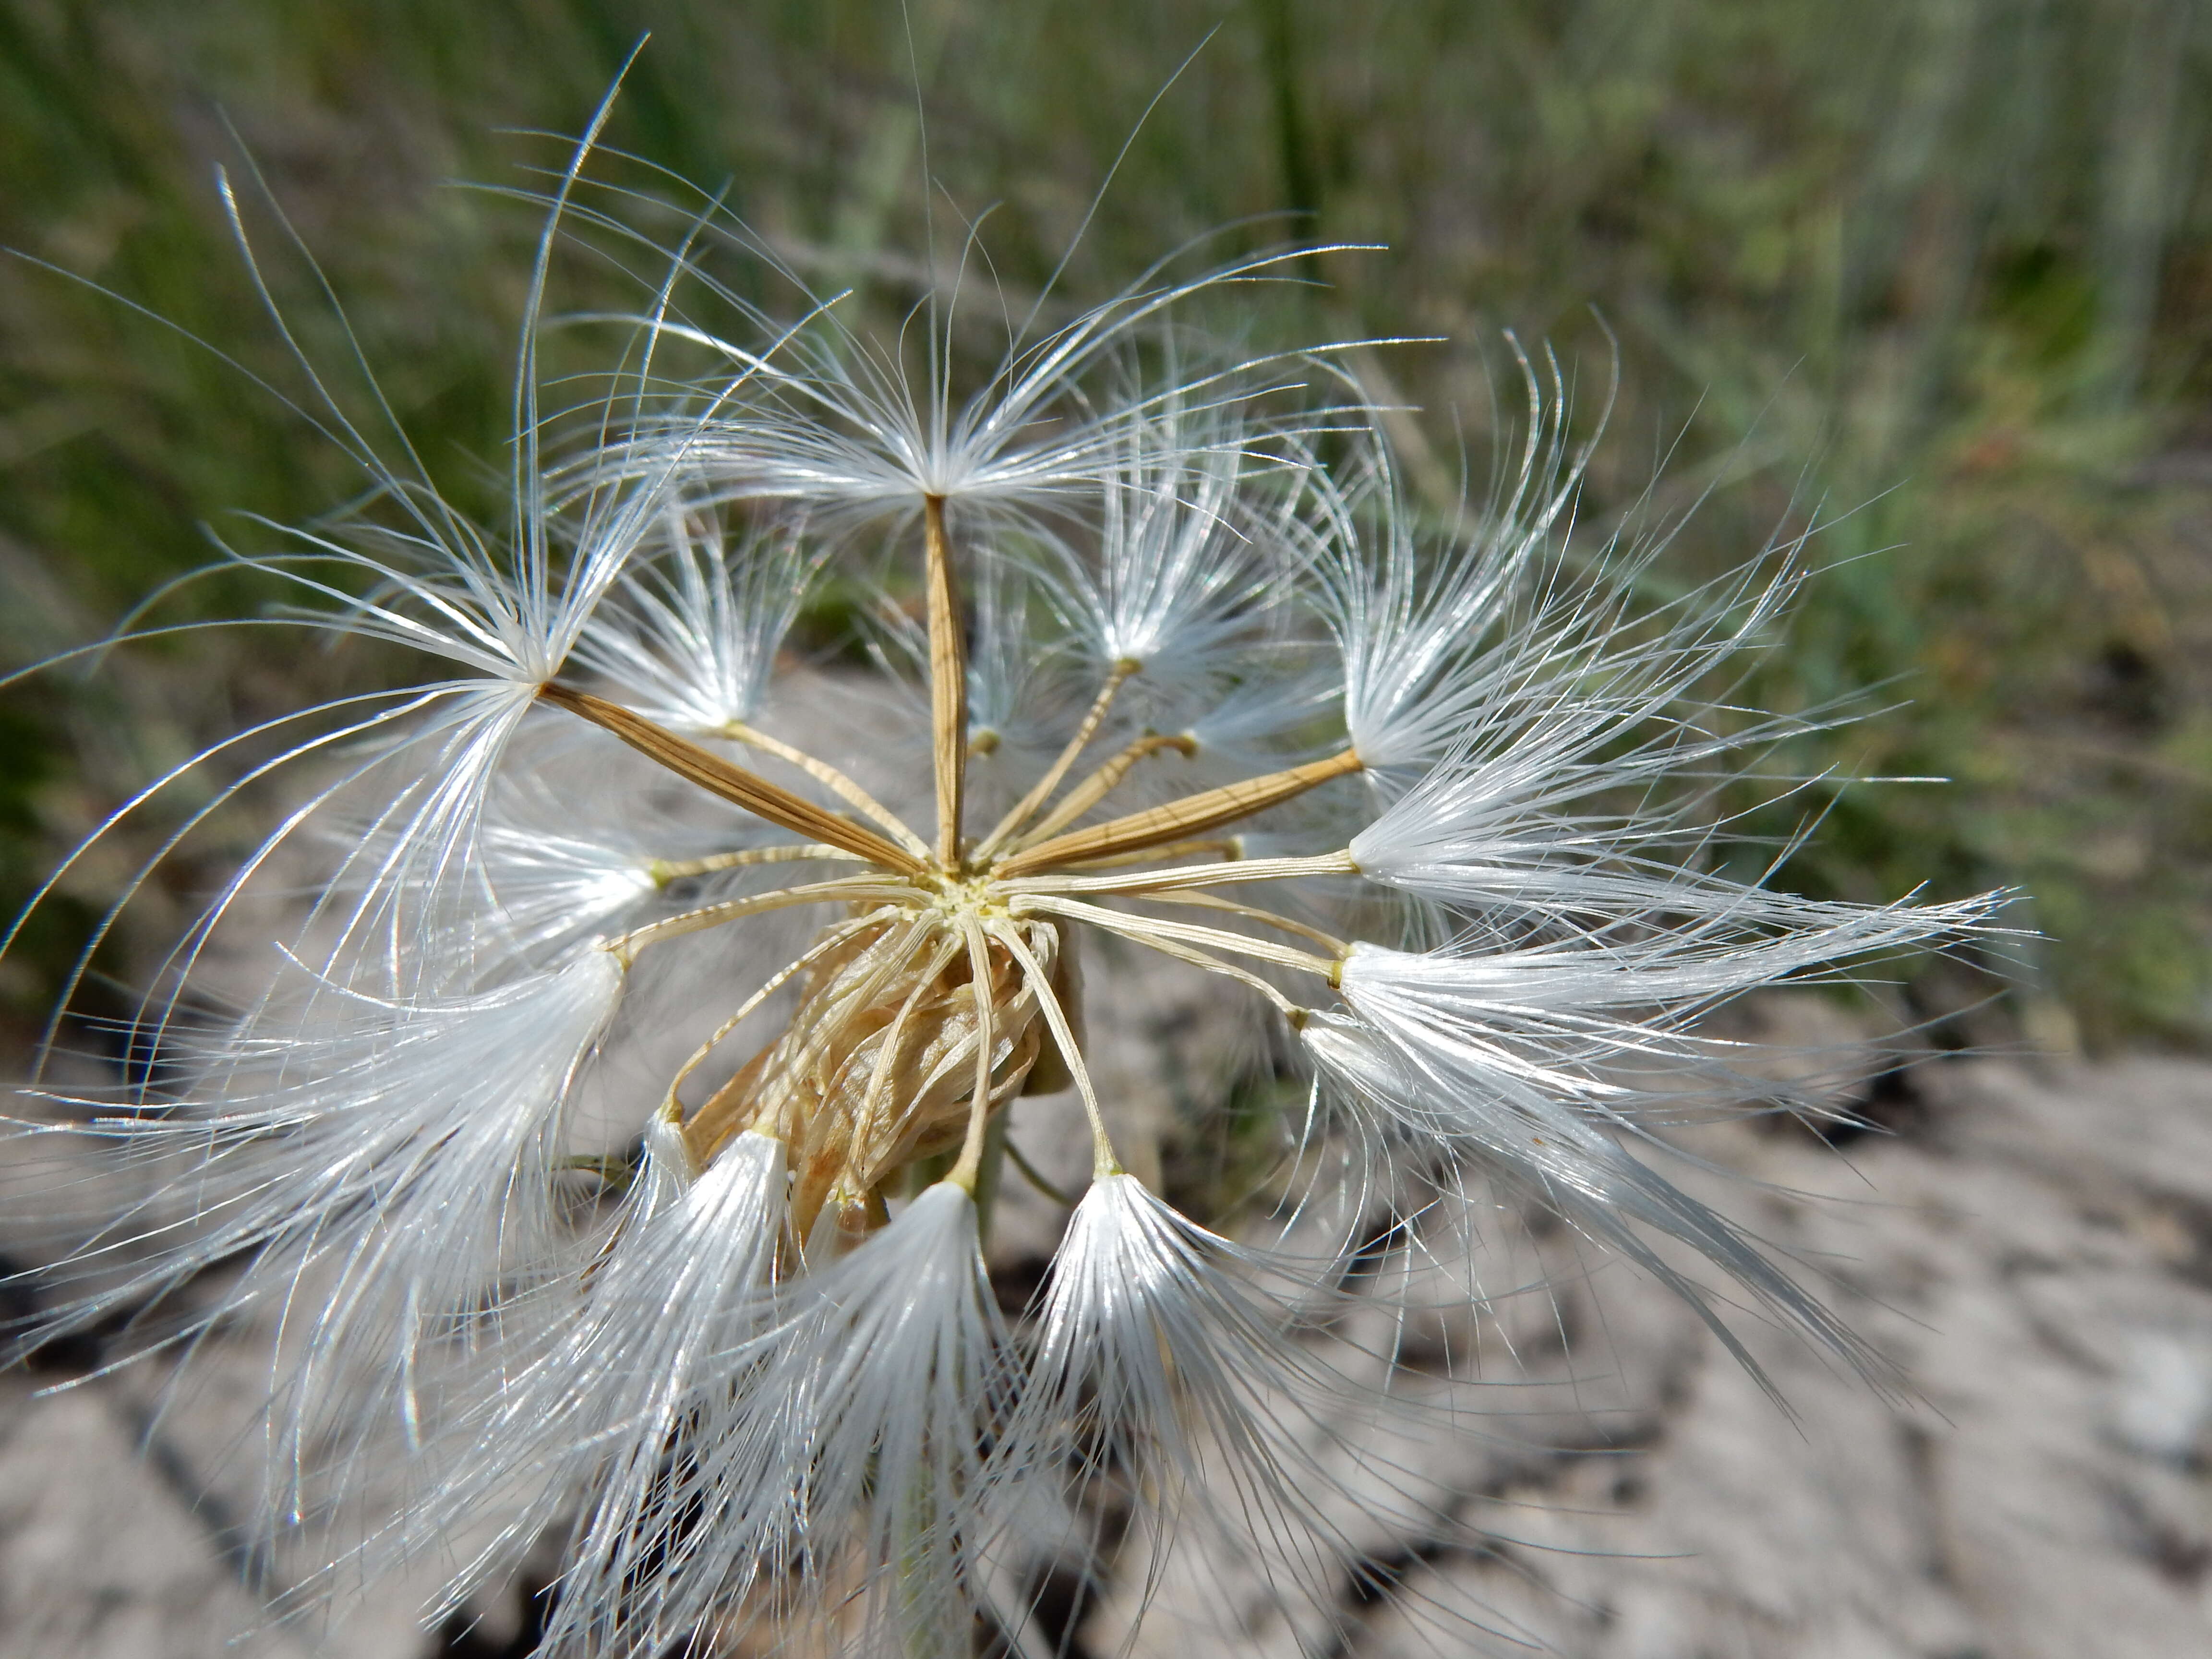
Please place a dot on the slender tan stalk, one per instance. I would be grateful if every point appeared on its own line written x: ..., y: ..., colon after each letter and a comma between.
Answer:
x: 845, y: 889
x: 894, y: 1040
x: 1104, y: 1163
x: 1103, y: 783
x: 1186, y: 816
x: 948, y: 682
x: 1329, y: 942
x: 732, y: 783
x: 857, y: 993
x: 1199, y: 875
x: 1018, y: 814
x: 782, y: 976
x: 730, y: 1107
x: 1147, y: 929
x: 1230, y: 847
x: 664, y: 871
x: 837, y: 781
x: 736, y: 1101
x: 963, y: 1173
x: 1171, y: 947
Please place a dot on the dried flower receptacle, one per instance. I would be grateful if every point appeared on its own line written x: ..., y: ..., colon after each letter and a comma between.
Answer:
x: 927, y: 1010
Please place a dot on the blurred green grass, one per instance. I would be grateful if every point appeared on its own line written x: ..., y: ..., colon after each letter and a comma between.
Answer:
x: 1945, y: 266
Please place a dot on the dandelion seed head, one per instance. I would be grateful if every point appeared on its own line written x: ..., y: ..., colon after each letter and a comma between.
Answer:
x: 1436, y: 805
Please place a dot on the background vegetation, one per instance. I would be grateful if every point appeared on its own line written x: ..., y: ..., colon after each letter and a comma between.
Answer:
x: 1947, y: 263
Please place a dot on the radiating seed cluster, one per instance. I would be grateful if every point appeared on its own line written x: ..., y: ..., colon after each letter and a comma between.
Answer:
x: 1181, y: 672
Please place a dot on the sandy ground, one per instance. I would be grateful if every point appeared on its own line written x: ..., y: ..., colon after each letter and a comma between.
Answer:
x: 2034, y: 1247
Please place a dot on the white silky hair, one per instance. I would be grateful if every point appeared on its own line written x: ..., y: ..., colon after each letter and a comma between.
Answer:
x: 1412, y: 629
x: 553, y: 892
x: 1528, y: 1096
x: 691, y: 632
x: 1577, y: 1016
x: 383, y: 1167
x: 1525, y: 828
x: 515, y: 617
x: 562, y: 858
x: 627, y: 1380
x: 1280, y: 712
x: 1016, y: 692
x: 843, y: 1448
x: 1158, y: 1357
x: 1506, y: 635
x: 504, y: 605
x: 819, y: 415
x: 1183, y: 559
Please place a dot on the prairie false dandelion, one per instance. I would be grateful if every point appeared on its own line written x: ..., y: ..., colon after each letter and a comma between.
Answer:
x: 1437, y: 805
